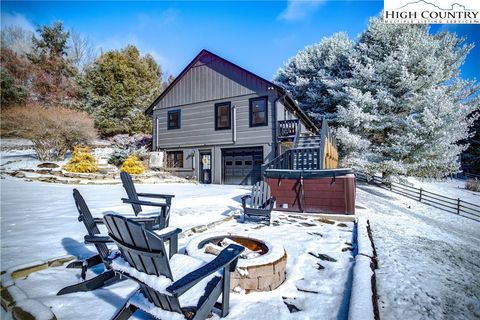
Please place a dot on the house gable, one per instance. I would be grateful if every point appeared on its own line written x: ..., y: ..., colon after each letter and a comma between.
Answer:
x: 209, y: 77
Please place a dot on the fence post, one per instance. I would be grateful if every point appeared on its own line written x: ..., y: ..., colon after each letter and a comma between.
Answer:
x: 458, y: 206
x: 420, y: 198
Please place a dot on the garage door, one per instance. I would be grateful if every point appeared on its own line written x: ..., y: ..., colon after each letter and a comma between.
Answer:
x: 242, y: 165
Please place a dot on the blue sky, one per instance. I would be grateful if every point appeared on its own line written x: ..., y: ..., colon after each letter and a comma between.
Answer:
x: 259, y: 36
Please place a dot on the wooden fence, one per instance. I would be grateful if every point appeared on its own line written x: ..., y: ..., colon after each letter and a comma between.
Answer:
x: 457, y: 206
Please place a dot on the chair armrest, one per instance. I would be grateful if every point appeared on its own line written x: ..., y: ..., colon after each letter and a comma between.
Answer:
x: 97, y: 239
x: 144, y: 203
x: 244, y: 200
x: 155, y: 195
x: 168, y: 233
x: 270, y: 203
x: 98, y: 220
x: 228, y: 255
x: 245, y: 197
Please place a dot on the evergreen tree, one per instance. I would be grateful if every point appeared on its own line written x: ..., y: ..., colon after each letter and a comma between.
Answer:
x: 399, y: 104
x: 405, y: 109
x: 314, y: 71
x: 53, y: 76
x: 118, y: 87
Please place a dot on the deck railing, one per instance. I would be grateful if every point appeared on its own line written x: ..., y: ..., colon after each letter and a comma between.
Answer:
x: 297, y: 159
x: 287, y: 128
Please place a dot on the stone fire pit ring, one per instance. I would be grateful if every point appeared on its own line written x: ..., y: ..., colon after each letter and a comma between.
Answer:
x: 262, y: 273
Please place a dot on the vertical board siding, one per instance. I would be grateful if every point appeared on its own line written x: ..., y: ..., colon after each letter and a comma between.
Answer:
x: 211, y: 79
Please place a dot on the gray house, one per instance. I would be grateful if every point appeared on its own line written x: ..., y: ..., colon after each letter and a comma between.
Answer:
x: 219, y: 123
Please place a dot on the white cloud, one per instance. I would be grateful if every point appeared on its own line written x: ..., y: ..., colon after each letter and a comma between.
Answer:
x: 16, y: 20
x: 299, y: 9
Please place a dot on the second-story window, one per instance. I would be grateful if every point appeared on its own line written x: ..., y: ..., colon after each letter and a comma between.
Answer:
x: 259, y: 112
x: 223, y: 115
x: 173, y: 119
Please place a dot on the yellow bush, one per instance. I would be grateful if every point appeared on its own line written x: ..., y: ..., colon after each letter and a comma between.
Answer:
x: 81, y: 161
x: 132, y: 165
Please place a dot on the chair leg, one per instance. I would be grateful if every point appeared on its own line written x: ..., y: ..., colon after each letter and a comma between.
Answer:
x: 125, y: 312
x: 108, y: 277
x: 208, y: 301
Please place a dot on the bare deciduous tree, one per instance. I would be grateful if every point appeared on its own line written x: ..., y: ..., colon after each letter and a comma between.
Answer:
x: 81, y: 51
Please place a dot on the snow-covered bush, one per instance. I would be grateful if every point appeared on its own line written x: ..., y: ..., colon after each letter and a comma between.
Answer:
x: 136, y: 141
x: 473, y: 185
x: 82, y: 161
x: 125, y: 145
x: 132, y: 165
x: 53, y: 131
x: 118, y: 156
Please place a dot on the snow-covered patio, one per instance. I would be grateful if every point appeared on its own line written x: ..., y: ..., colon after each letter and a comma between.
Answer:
x: 319, y: 267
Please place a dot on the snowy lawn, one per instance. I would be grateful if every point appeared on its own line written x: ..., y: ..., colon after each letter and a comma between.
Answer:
x: 429, y: 260
x: 39, y: 222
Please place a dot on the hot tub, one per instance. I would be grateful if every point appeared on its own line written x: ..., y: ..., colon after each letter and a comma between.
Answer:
x: 316, y: 191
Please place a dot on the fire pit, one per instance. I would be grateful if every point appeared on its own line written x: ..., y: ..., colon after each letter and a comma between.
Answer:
x: 261, y: 268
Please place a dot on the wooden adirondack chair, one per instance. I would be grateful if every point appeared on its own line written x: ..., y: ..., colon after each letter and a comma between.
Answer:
x: 100, y: 241
x: 169, y: 288
x: 261, y: 203
x: 133, y: 199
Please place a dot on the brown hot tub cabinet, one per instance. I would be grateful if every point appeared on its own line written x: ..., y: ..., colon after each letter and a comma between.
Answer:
x: 316, y: 191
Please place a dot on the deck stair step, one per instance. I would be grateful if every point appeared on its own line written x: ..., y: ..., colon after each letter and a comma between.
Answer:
x: 308, y: 141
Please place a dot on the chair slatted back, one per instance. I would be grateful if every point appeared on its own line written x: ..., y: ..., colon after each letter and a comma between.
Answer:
x: 86, y: 217
x: 127, y: 183
x: 145, y: 252
x: 260, y: 194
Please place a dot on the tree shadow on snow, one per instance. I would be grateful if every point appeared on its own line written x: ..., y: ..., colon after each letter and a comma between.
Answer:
x: 77, y: 249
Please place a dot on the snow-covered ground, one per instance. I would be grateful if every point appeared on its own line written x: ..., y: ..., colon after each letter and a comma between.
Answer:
x: 38, y: 222
x: 429, y: 260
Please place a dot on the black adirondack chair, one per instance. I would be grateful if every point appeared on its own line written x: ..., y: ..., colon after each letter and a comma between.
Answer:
x: 192, y: 286
x: 261, y: 203
x: 134, y: 200
x: 100, y: 241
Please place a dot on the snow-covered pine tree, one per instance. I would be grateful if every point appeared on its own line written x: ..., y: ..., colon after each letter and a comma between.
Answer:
x: 396, y: 97
x: 309, y: 75
x: 405, y: 110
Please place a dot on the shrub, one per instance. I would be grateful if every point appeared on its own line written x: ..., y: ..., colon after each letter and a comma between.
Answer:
x: 473, y: 185
x: 53, y: 130
x: 82, y: 161
x: 132, y: 165
x: 118, y: 156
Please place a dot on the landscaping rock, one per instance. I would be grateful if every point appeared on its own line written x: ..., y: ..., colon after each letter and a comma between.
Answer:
x: 327, y: 221
x: 49, y: 165
x: 323, y: 257
x: 23, y: 311
x: 343, y: 225
x: 43, y: 171
x: 199, y: 229
x: 19, y: 174
x: 289, y: 303
x: 307, y: 224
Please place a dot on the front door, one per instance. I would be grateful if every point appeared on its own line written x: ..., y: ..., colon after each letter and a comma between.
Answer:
x: 205, y: 167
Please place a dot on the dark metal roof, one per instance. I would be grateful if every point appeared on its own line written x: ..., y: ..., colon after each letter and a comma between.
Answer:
x: 289, y: 100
